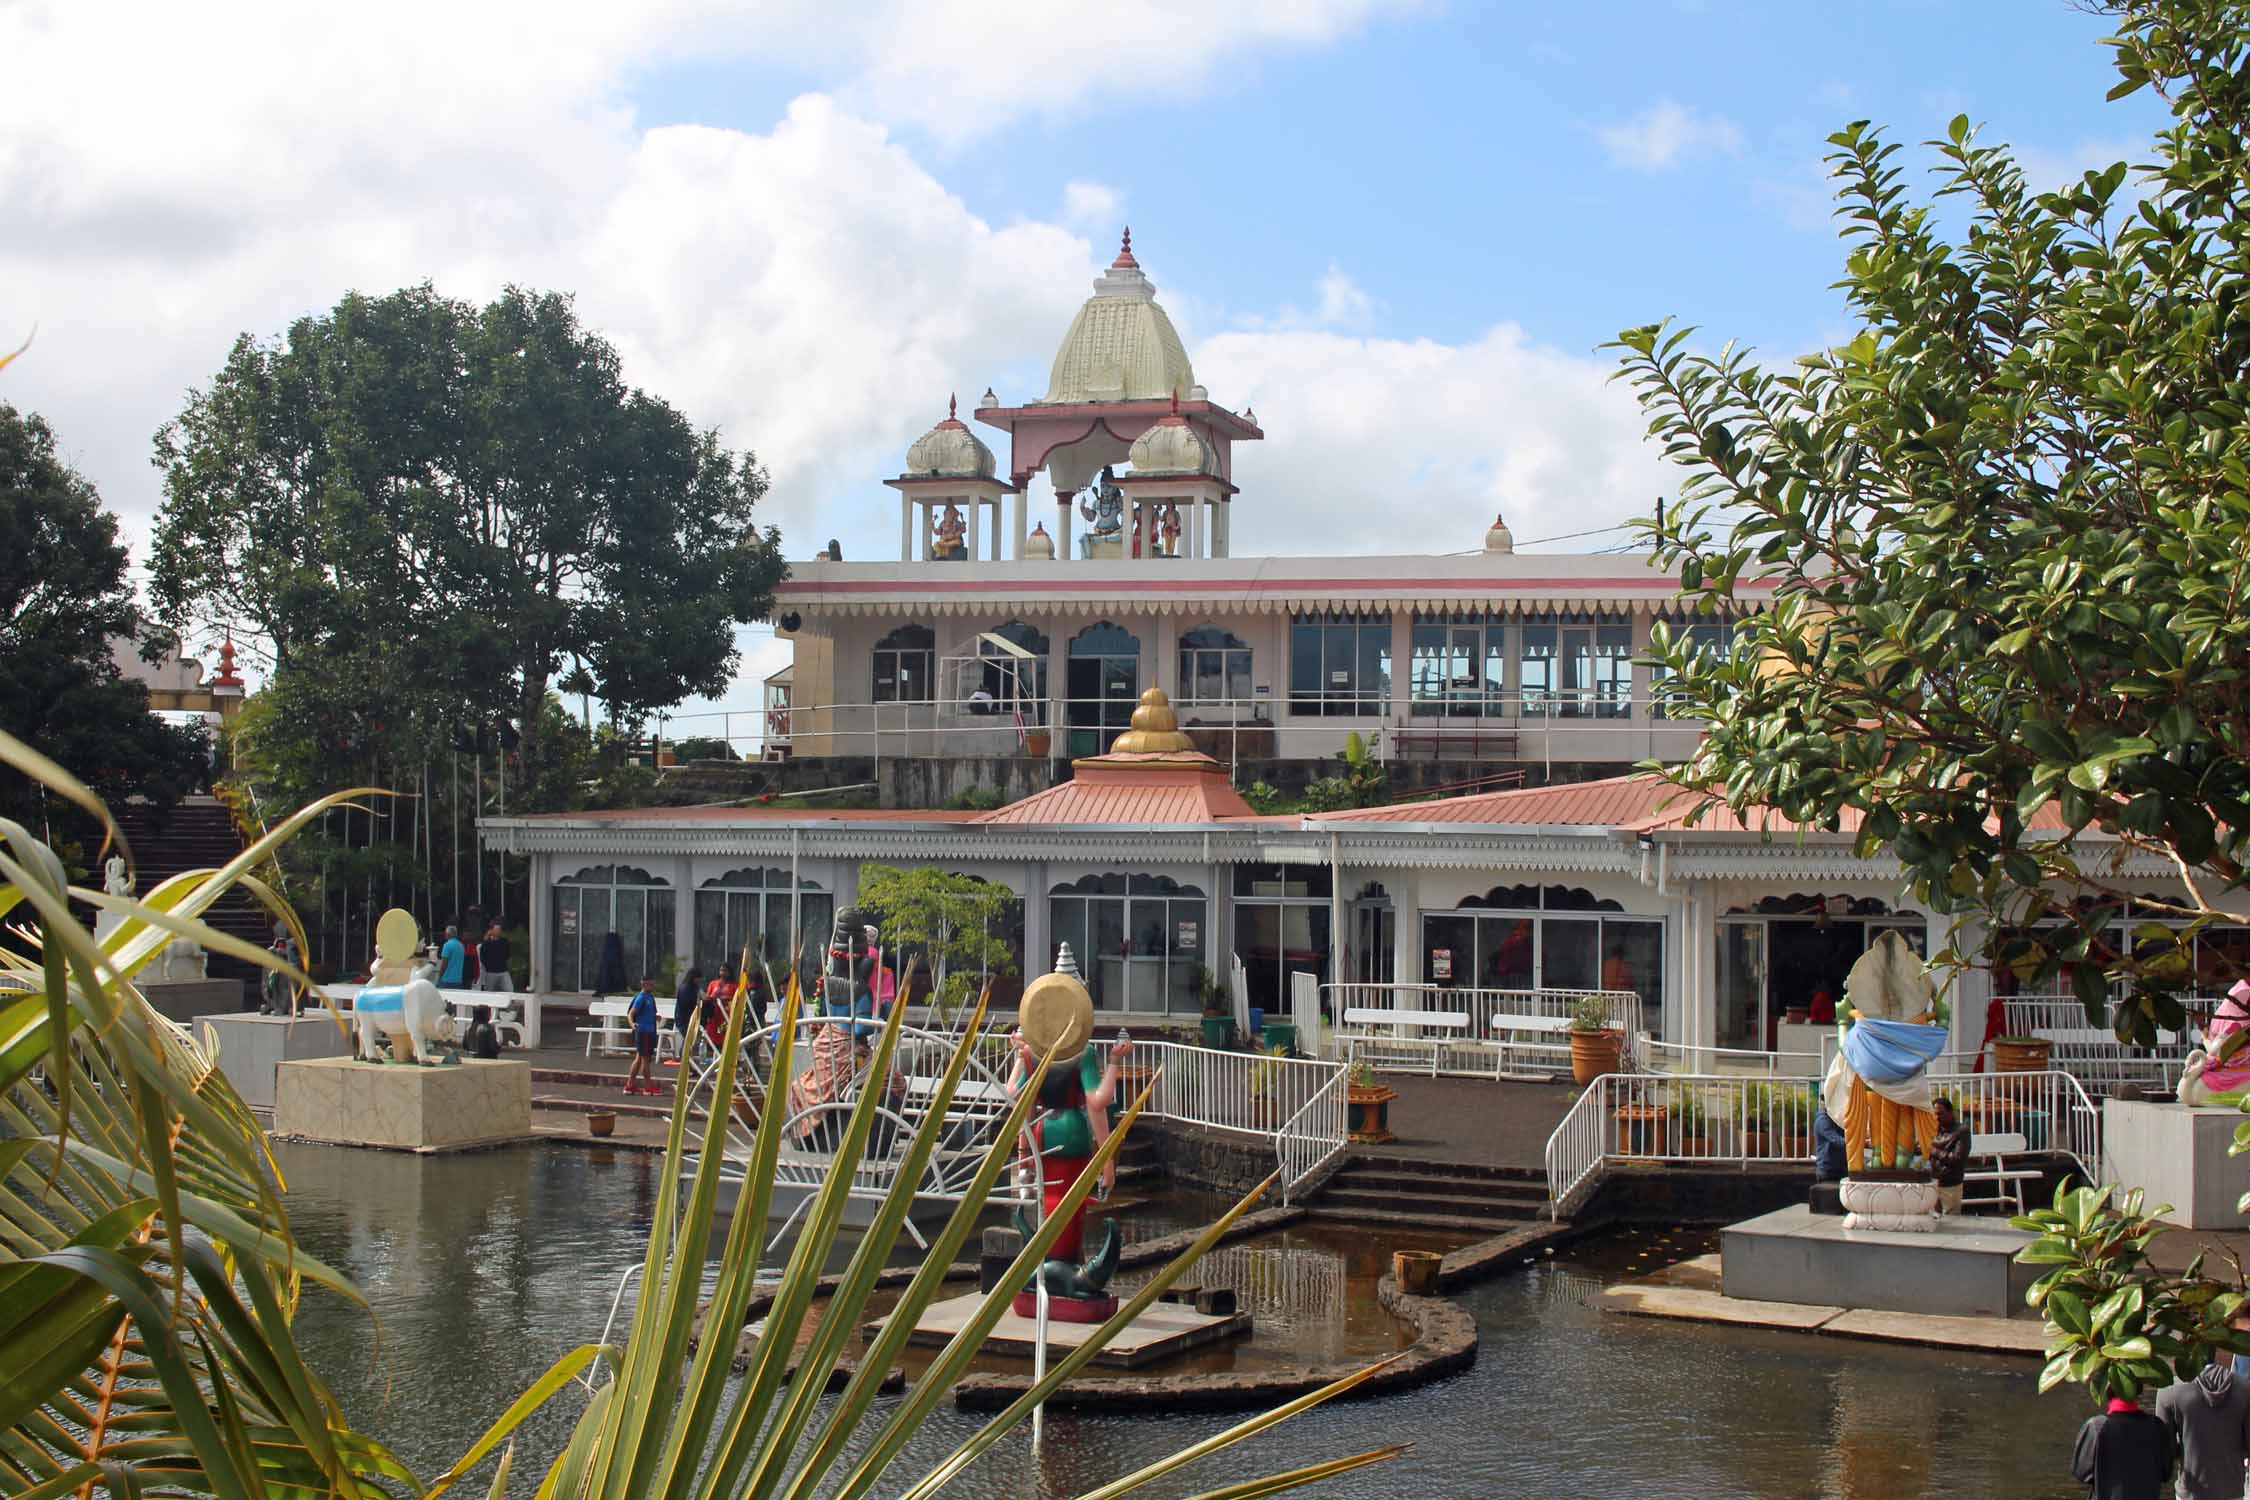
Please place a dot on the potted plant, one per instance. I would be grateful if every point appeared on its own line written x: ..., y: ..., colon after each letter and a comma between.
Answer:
x: 1643, y: 1129
x: 601, y: 1122
x: 1777, y: 1120
x: 1691, y: 1123
x: 1218, y: 1026
x: 2020, y: 1054
x: 1265, y: 1074
x: 1368, y: 1106
x: 1035, y: 743
x: 1594, y: 1043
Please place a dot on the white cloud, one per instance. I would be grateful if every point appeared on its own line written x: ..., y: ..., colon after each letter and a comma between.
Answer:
x: 1667, y: 134
x: 1342, y: 303
x: 1091, y: 206
x: 2046, y: 169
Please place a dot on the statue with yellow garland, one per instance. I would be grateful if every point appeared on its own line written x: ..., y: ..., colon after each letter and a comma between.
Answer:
x: 1878, y: 1088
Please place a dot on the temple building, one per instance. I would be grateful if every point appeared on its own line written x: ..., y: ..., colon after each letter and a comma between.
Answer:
x: 1001, y: 635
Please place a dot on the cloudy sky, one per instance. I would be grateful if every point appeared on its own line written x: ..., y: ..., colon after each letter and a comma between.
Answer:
x: 1398, y: 230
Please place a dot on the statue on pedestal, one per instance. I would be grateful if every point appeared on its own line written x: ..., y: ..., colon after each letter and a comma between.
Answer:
x: 1169, y: 529
x: 399, y: 1002
x: 2206, y: 1080
x: 952, y: 533
x: 1072, y: 1123
x: 849, y: 1003
x: 1104, y: 515
x: 117, y: 883
x: 1879, y: 1091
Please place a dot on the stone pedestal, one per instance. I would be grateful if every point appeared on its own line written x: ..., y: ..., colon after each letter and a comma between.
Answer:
x: 251, y: 1047
x: 1964, y: 1267
x: 182, y: 1000
x: 2177, y: 1156
x: 404, y: 1106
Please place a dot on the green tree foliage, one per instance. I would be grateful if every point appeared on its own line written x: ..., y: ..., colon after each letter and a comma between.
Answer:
x: 431, y: 510
x: 951, y: 922
x: 62, y: 577
x: 702, y: 747
x: 2007, y: 526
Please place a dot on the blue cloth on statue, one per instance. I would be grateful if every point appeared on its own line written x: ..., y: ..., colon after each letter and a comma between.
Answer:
x: 1891, y: 1051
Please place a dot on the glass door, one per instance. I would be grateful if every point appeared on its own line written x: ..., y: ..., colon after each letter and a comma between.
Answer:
x: 1742, y: 986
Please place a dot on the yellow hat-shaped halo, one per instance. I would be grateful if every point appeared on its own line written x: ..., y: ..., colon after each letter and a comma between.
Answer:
x: 397, y: 934
x: 1156, y: 729
x: 1056, y: 1007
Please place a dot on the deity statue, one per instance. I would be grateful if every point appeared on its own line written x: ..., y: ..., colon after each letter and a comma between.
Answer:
x: 952, y: 533
x: 114, y: 879
x: 851, y: 997
x: 1879, y: 1091
x: 2206, y: 1080
x: 1169, y: 529
x: 1056, y: 1013
x: 1104, y: 513
x: 399, y: 1002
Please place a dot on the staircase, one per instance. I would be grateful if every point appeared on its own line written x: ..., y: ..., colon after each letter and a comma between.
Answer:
x: 1372, y: 1188
x: 198, y: 833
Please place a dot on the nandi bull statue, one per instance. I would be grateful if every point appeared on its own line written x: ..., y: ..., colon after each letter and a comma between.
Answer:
x: 399, y: 1002
x: 2210, y: 1077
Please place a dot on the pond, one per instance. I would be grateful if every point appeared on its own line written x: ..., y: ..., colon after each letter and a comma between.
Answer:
x: 481, y: 1269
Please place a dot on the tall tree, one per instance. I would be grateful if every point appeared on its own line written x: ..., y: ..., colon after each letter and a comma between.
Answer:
x: 444, y: 504
x: 63, y: 600
x: 2009, y: 527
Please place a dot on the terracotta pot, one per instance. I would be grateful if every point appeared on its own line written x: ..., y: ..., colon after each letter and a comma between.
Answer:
x: 1797, y: 1015
x: 1417, y: 1271
x: 1642, y: 1129
x: 1035, y: 746
x: 601, y: 1122
x: 1368, y: 1112
x: 2021, y: 1056
x: 1779, y: 1145
x: 1593, y: 1053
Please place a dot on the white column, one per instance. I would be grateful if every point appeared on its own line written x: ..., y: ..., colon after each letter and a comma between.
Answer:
x: 1221, y: 524
x: 906, y: 528
x: 1195, y: 528
x: 929, y: 521
x: 1058, y: 687
x: 1063, y: 515
x: 1406, y: 932
x: 1023, y: 519
x: 976, y: 520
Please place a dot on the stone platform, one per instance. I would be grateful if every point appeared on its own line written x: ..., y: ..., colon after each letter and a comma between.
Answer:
x: 404, y: 1106
x: 183, y: 1000
x: 1166, y: 1329
x: 1967, y: 1268
x: 2178, y: 1157
x: 252, y: 1047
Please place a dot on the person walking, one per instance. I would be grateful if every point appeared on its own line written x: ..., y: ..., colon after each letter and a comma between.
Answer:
x: 492, y: 956
x: 2124, y: 1453
x: 2209, y: 1421
x: 1949, y: 1156
x: 686, y: 1000
x: 451, y: 959
x: 642, y: 1012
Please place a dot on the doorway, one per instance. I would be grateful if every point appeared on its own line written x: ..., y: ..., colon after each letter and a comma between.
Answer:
x: 1103, y: 686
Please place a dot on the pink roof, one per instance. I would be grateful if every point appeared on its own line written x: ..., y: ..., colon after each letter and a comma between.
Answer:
x: 777, y: 812
x: 1616, y: 801
x: 1166, y: 787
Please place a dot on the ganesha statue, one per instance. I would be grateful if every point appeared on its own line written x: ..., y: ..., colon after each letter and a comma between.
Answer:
x: 1878, y: 1088
x: 2216, y: 1075
x: 1057, y: 1015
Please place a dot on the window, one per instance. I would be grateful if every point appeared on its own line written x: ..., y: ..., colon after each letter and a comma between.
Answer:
x: 1214, y: 667
x: 1545, y: 938
x: 1140, y: 940
x: 1459, y: 668
x: 905, y: 665
x: 596, y: 902
x: 1576, y: 669
x: 1340, y: 665
x: 1704, y: 638
x: 1018, y: 686
x: 1281, y: 927
x: 751, y: 908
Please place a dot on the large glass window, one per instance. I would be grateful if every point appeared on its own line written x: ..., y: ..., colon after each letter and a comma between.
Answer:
x: 1281, y: 926
x: 1141, y: 941
x: 1459, y: 668
x: 1546, y: 938
x: 596, y: 902
x: 1214, y: 667
x: 1340, y: 665
x: 1576, y: 669
x: 751, y: 908
x: 906, y: 665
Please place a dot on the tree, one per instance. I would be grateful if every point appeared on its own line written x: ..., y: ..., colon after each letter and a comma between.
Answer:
x: 951, y: 922
x: 2007, y: 527
x: 62, y: 573
x: 442, y: 505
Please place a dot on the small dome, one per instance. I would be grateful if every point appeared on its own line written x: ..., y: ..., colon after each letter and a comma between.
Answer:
x: 1121, y: 347
x: 1039, y: 544
x: 1156, y: 729
x: 1171, y: 447
x: 1499, y: 538
x: 949, y: 451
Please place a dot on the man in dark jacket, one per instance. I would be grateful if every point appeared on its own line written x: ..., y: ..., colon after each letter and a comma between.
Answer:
x: 686, y: 1001
x: 1949, y: 1156
x: 2209, y: 1419
x: 2123, y: 1454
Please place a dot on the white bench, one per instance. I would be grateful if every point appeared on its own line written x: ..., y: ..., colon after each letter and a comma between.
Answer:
x: 1375, y: 1028
x: 1548, y: 1034
x: 610, y: 1032
x: 2007, y: 1182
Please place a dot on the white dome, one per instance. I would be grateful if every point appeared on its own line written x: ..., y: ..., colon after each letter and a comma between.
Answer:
x: 1499, y: 538
x: 1121, y: 347
x: 1039, y: 544
x: 949, y: 451
x: 1171, y: 447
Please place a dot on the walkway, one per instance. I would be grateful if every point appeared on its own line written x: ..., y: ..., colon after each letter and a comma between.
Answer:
x: 1474, y: 1121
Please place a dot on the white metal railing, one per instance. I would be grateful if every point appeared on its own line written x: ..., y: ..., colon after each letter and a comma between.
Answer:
x: 1730, y: 1119
x: 2093, y: 1054
x: 1686, y: 1057
x: 1487, y: 1043
x: 1297, y: 1101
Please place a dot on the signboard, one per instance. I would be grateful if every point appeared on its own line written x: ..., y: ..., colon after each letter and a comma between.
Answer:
x: 1185, y: 942
x: 566, y: 920
x: 1441, y: 963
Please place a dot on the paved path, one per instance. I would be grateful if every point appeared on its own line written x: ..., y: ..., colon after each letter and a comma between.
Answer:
x: 1476, y: 1121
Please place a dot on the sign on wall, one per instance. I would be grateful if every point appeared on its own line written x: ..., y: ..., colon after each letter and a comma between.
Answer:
x: 1185, y: 942
x: 1441, y: 963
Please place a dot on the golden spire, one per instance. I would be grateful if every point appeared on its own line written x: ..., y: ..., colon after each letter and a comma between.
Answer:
x: 1156, y: 729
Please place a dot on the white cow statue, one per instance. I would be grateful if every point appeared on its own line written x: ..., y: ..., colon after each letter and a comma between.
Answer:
x: 400, y: 1002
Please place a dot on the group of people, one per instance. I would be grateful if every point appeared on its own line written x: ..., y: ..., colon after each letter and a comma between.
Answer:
x: 2200, y: 1427
x: 482, y: 966
x: 699, y: 1017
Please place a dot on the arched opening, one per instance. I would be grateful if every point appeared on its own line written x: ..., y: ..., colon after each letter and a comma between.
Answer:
x: 752, y: 908
x: 1138, y: 939
x: 905, y: 665
x: 1104, y: 685
x: 600, y: 900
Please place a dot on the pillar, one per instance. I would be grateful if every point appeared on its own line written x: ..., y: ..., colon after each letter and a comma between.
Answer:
x: 929, y: 530
x: 1023, y: 518
x: 1221, y: 524
x: 1064, y: 513
x: 1195, y: 528
x: 1402, y: 663
x: 976, y: 520
x: 906, y: 528
x: 1406, y: 928
x: 1058, y: 686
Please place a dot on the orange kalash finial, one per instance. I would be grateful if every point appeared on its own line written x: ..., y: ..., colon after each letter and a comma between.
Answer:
x: 228, y: 676
x: 1125, y: 259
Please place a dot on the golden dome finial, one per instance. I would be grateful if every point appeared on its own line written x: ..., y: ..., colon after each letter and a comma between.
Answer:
x: 1156, y: 729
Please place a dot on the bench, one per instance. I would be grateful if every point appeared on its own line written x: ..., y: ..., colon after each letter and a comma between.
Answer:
x: 1548, y: 1033
x: 610, y: 1032
x: 2006, y: 1181
x: 1433, y: 1031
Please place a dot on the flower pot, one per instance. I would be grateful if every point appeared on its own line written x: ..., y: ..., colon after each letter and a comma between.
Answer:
x: 1218, y: 1032
x: 1797, y: 1015
x: 1593, y: 1053
x: 601, y: 1122
x: 1368, y: 1113
x: 1778, y: 1145
x: 1417, y: 1271
x: 1692, y: 1141
x: 1642, y: 1129
x: 2020, y: 1054
x: 1035, y: 745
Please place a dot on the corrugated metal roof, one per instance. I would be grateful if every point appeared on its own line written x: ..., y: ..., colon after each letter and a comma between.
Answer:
x: 1154, y: 788
x: 777, y: 812
x: 1612, y: 802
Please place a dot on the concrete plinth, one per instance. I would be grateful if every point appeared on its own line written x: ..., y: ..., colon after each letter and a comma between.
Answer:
x: 182, y: 1000
x: 1162, y: 1331
x: 1967, y: 1268
x: 404, y: 1106
x: 2179, y: 1157
x: 252, y: 1046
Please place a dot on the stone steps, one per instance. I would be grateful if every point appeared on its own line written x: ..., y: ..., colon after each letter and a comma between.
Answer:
x: 1383, y: 1189
x: 1390, y: 1200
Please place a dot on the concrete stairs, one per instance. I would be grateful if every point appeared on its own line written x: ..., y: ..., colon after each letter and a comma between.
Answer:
x: 198, y: 833
x: 1372, y: 1188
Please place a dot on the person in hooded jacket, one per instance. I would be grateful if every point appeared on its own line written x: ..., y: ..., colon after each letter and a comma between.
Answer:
x: 2210, y: 1421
